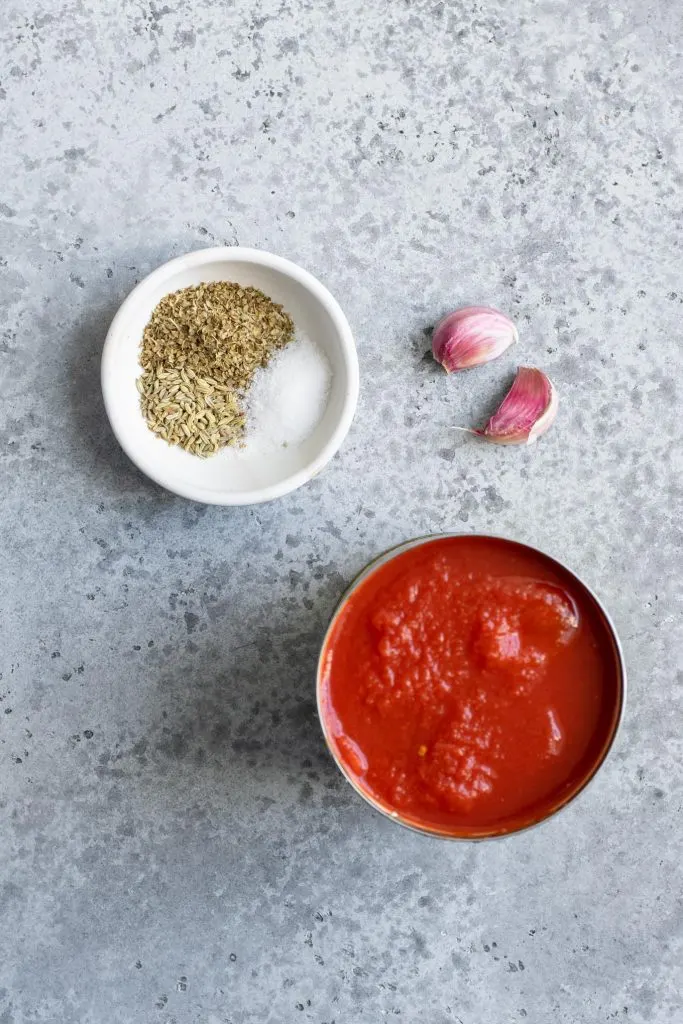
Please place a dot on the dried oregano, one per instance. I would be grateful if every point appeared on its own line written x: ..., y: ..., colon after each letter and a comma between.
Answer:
x: 199, y: 353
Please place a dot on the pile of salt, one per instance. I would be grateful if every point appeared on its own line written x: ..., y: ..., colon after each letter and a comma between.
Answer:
x: 287, y: 399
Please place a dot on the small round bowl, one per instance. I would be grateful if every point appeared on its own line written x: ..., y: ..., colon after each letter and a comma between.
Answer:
x: 231, y: 477
x: 568, y: 794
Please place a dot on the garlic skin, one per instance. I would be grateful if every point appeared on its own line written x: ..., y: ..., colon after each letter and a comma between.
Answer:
x: 526, y: 412
x: 472, y: 336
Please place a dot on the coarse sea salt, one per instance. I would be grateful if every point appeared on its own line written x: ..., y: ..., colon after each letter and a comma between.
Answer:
x: 287, y: 399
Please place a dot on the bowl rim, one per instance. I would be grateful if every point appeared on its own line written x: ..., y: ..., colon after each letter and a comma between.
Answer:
x: 434, y: 832
x: 233, y: 254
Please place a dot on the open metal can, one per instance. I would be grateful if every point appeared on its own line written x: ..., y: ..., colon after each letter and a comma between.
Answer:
x: 610, y: 717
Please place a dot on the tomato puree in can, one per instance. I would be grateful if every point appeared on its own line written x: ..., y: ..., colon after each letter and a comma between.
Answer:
x: 469, y: 685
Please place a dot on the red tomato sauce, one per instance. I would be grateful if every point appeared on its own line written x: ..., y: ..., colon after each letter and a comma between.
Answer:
x: 470, y: 685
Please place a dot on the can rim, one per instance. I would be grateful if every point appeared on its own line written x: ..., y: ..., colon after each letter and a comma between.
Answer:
x: 434, y: 832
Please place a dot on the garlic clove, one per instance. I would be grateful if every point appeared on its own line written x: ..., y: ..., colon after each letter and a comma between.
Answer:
x: 526, y: 412
x: 472, y: 336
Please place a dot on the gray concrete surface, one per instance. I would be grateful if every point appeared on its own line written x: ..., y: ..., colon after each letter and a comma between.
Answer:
x: 176, y: 846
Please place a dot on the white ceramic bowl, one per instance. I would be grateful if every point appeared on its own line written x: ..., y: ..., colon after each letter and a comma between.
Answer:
x: 231, y: 477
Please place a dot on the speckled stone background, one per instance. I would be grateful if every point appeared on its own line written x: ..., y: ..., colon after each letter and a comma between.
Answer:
x: 176, y: 846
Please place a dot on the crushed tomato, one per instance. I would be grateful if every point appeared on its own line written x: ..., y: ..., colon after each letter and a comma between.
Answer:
x: 468, y: 685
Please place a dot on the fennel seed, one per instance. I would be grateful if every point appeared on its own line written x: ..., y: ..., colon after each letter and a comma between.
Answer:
x: 199, y: 353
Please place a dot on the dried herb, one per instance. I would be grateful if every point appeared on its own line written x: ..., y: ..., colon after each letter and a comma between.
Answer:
x: 199, y: 353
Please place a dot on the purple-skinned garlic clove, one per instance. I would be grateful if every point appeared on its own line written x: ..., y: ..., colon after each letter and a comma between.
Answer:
x: 526, y: 412
x: 472, y: 336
